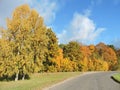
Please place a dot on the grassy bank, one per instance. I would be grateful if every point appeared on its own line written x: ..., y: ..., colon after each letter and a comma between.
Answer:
x: 37, y: 81
x: 116, y: 77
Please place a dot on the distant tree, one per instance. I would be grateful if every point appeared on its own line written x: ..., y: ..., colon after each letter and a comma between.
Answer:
x: 92, y: 48
x: 72, y: 51
x: 84, y: 64
x: 107, y: 54
x: 86, y: 51
x: 62, y: 46
x: 117, y: 67
x: 112, y: 46
x: 63, y: 64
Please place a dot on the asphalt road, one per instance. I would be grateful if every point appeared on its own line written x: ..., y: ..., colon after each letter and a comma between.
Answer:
x: 89, y: 81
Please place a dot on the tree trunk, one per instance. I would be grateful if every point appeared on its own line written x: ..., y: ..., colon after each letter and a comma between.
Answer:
x: 23, y: 78
x: 16, y: 78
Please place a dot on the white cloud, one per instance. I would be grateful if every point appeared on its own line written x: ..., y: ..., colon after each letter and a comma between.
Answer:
x: 82, y: 29
x: 63, y: 38
x: 46, y: 8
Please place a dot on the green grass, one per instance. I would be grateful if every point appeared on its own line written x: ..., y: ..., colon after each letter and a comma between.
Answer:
x: 37, y: 81
x: 116, y: 77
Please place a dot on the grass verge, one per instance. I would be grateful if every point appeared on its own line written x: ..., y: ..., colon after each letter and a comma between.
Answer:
x: 116, y: 77
x: 37, y: 81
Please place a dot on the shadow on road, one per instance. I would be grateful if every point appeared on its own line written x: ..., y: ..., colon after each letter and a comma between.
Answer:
x: 115, y: 79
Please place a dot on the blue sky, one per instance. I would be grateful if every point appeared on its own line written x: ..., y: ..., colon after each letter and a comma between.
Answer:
x: 86, y: 21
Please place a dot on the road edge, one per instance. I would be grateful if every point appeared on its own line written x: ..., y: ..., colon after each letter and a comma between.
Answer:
x: 66, y: 80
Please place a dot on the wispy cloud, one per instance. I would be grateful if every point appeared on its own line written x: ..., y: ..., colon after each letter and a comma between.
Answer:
x: 46, y: 8
x: 116, y: 42
x: 81, y: 28
x: 87, y: 12
x: 96, y: 2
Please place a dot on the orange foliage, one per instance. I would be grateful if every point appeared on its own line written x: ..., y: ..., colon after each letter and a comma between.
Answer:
x: 86, y: 52
x: 108, y: 54
x: 92, y: 48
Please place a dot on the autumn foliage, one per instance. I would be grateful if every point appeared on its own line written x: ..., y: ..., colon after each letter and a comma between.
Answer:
x: 28, y: 46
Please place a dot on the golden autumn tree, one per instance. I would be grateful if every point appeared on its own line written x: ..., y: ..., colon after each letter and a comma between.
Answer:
x: 91, y: 64
x: 62, y: 64
x: 100, y: 65
x: 84, y: 64
x: 72, y: 51
x: 39, y: 44
x: 90, y: 60
x: 6, y: 60
x: 27, y: 31
x: 56, y: 62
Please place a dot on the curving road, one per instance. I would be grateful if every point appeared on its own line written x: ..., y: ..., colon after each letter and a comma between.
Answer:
x: 89, y: 81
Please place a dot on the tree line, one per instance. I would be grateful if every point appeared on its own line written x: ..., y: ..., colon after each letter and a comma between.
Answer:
x: 28, y: 46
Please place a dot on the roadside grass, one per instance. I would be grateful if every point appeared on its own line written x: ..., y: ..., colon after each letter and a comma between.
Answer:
x: 38, y: 81
x: 116, y: 77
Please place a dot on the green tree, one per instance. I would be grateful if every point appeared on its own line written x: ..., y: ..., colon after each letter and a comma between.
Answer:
x: 52, y: 47
x: 72, y: 51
